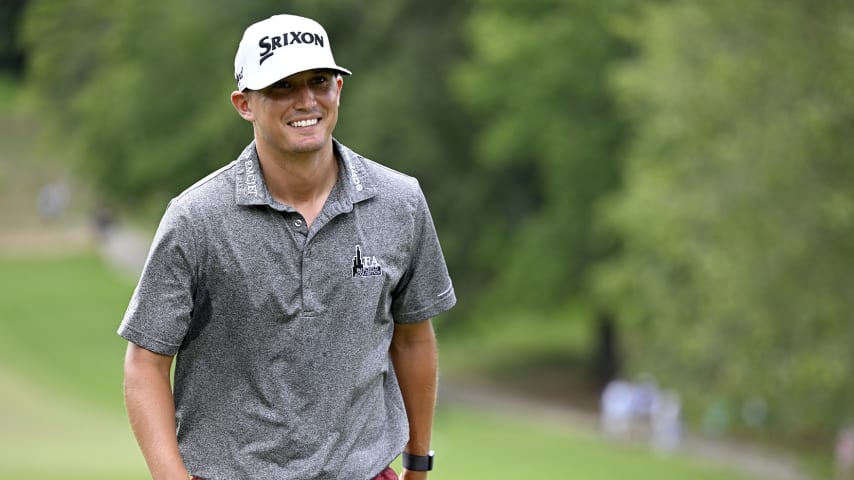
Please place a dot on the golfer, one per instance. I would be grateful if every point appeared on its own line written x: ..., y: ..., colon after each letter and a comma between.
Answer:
x: 293, y: 288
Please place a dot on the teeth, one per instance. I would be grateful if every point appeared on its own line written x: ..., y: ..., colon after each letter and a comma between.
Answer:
x: 305, y: 123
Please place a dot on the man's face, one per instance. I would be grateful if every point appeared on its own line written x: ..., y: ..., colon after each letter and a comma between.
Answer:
x: 297, y: 114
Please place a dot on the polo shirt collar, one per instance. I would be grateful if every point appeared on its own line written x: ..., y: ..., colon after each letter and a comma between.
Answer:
x: 354, y: 182
x: 353, y: 175
x: 250, y: 188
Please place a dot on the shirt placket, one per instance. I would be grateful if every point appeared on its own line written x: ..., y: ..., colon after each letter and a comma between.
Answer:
x: 308, y: 275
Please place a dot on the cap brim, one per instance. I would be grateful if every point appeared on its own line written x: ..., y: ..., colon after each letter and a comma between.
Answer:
x: 273, y: 75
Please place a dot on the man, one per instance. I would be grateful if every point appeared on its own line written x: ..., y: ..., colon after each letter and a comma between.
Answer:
x: 294, y: 287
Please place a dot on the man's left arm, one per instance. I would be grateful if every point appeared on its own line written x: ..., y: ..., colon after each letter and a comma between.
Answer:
x: 415, y: 359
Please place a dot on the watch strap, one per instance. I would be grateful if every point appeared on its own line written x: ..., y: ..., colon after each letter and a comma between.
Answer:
x: 418, y: 463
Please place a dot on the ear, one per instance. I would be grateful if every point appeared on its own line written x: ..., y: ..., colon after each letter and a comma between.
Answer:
x: 240, y: 100
x: 339, y: 81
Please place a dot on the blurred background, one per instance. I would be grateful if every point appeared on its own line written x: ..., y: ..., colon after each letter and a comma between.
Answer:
x: 647, y: 208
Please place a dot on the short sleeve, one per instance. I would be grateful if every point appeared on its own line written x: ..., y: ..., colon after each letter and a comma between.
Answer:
x: 426, y: 289
x: 160, y: 309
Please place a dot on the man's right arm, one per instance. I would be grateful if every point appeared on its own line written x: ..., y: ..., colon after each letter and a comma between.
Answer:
x: 151, y: 409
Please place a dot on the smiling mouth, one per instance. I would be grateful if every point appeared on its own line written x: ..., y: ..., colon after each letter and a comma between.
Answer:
x: 304, y: 123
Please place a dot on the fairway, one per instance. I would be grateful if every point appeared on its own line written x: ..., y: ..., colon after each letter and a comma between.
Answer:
x: 47, y: 434
x: 62, y: 416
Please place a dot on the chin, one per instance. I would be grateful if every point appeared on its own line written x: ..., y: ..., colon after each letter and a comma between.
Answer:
x: 314, y: 145
x: 312, y: 148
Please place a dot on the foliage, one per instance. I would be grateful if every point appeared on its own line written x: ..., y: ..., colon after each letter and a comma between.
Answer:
x: 141, y: 90
x: 550, y: 141
x: 737, y: 212
x: 11, y: 54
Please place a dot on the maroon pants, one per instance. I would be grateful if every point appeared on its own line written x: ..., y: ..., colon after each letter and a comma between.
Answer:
x: 387, y: 474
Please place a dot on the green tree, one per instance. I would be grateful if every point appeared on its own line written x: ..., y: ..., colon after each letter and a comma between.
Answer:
x: 11, y: 57
x: 737, y: 211
x: 140, y: 89
x: 548, y: 143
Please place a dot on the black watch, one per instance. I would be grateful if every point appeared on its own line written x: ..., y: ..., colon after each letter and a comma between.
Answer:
x: 418, y: 463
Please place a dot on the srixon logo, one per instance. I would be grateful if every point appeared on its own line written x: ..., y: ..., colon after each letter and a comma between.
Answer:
x: 269, y: 44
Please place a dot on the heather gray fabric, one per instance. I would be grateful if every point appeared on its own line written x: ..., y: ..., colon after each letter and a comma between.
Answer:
x: 282, y: 332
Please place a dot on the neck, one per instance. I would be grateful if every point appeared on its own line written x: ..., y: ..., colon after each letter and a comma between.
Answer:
x: 301, y: 180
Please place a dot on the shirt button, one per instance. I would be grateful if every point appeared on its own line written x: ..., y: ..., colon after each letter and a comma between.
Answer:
x: 298, y: 223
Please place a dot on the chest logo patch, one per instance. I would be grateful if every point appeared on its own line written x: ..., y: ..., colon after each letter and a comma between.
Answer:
x: 365, y: 265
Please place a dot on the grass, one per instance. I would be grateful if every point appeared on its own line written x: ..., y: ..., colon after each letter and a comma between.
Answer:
x: 48, y: 434
x: 9, y: 89
x: 62, y: 415
x: 484, y: 445
x: 59, y: 317
x: 60, y: 371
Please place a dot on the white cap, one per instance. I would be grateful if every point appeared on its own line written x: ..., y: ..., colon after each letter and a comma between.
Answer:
x: 279, y: 47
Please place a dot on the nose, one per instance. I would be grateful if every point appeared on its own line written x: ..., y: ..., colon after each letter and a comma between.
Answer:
x: 304, y: 97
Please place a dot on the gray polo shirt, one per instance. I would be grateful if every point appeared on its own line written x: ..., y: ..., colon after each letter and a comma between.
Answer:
x: 282, y: 331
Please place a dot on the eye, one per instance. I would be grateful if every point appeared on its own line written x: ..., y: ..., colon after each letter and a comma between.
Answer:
x: 281, y: 84
x: 319, y: 79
